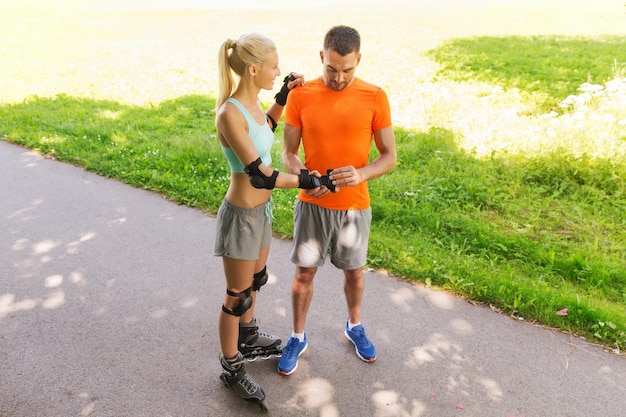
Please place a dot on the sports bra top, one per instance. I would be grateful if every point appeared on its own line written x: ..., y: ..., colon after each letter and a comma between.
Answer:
x: 261, y: 135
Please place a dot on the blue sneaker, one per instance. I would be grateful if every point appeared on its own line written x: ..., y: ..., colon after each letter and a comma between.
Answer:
x: 364, y: 348
x: 288, y: 362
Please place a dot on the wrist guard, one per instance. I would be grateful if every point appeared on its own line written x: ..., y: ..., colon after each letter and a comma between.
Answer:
x: 326, y: 182
x: 281, y: 96
x: 306, y: 181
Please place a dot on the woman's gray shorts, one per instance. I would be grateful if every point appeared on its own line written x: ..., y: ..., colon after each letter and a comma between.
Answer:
x: 318, y: 231
x: 243, y: 232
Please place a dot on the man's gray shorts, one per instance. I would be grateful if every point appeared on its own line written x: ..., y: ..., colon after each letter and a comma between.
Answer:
x: 243, y: 232
x: 318, y: 231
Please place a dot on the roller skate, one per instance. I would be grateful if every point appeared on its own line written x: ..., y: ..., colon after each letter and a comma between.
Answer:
x: 234, y: 376
x: 254, y: 344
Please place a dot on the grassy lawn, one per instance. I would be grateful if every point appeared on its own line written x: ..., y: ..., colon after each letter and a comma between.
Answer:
x: 510, y: 121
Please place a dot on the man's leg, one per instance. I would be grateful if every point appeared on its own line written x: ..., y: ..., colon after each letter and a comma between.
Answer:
x: 308, y: 228
x: 353, y: 287
x: 301, y: 296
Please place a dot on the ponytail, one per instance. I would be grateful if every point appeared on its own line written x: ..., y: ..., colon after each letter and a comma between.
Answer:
x: 226, y: 81
x: 236, y: 56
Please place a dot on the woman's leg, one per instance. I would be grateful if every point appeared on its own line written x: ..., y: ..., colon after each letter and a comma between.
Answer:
x: 238, y: 280
x: 259, y: 264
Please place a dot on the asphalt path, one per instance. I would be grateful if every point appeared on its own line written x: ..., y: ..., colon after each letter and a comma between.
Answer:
x: 109, y: 297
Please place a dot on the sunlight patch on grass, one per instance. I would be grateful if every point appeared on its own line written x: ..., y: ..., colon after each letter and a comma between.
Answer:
x: 119, y: 138
x: 595, y: 128
x: 51, y: 140
x: 110, y: 114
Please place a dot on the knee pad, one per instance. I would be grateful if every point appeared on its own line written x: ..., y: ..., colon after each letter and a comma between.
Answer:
x: 260, y: 278
x: 245, y: 302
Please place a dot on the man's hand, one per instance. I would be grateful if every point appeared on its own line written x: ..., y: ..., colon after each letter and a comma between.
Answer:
x: 345, y: 176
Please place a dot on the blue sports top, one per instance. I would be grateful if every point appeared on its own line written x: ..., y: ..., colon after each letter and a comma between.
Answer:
x: 262, y: 138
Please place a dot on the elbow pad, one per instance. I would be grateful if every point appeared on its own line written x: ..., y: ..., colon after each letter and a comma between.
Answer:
x: 258, y: 179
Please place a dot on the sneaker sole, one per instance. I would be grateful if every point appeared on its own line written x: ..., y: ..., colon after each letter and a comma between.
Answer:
x: 295, y: 367
x: 357, y: 349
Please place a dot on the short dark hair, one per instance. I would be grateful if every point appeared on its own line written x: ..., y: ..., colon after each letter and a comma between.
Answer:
x: 343, y: 40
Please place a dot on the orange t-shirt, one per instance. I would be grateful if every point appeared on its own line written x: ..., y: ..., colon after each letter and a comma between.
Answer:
x: 337, y: 130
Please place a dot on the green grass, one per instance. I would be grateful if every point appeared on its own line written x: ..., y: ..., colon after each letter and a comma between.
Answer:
x: 169, y: 148
x: 549, y: 68
x: 494, y: 198
x: 522, y: 234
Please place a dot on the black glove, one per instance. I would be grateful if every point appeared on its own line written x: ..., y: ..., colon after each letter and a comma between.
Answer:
x: 281, y: 96
x: 306, y: 181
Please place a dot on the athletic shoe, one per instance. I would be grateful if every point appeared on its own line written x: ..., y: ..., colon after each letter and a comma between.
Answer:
x: 288, y: 362
x: 364, y: 348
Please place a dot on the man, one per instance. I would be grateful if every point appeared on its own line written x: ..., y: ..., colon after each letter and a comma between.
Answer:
x: 334, y: 117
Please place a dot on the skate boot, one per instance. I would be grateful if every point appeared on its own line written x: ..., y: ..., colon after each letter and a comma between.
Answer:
x: 234, y: 376
x: 254, y: 344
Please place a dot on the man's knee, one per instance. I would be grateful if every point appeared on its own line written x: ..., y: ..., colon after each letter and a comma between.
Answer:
x: 304, y: 275
x: 353, y: 275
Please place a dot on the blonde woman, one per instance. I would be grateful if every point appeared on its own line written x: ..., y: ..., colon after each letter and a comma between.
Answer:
x: 245, y: 132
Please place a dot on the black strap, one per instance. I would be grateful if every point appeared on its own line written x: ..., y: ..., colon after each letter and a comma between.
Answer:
x: 274, y: 124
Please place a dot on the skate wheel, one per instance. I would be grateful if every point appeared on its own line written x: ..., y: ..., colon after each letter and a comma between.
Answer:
x: 252, y: 358
x: 266, y: 357
x: 264, y: 406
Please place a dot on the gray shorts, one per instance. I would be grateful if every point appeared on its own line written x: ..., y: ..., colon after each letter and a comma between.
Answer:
x: 319, y: 231
x: 243, y: 232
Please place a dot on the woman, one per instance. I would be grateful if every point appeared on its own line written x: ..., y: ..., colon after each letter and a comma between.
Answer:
x: 245, y: 132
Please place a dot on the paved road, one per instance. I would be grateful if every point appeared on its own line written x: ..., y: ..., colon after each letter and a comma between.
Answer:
x: 109, y: 298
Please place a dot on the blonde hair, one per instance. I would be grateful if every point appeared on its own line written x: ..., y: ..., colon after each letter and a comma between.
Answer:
x: 249, y: 49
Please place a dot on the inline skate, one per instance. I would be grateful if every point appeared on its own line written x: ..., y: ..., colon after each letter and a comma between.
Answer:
x: 254, y: 344
x: 235, y: 376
